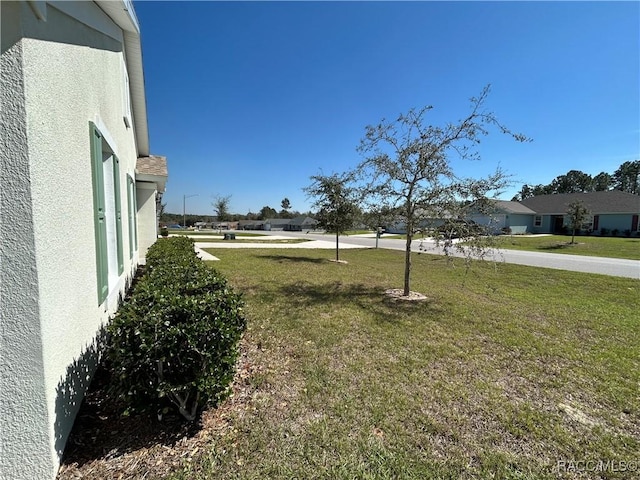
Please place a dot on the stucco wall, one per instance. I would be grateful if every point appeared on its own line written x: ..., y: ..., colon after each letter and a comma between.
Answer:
x: 495, y: 222
x: 23, y: 406
x: 147, y: 226
x: 71, y: 74
x: 621, y: 222
x: 545, y: 226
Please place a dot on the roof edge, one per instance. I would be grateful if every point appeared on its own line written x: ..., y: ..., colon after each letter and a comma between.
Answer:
x: 124, y: 15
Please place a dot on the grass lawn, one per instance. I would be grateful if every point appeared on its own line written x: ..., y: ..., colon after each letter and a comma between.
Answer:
x: 613, y: 247
x: 502, y: 373
x: 253, y: 240
x: 347, y: 233
x: 356, y: 232
x: 212, y: 237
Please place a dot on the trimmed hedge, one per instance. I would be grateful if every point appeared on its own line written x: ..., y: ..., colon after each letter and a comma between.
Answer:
x: 175, y: 340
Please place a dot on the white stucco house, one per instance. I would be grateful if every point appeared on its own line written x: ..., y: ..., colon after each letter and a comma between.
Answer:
x: 78, y: 196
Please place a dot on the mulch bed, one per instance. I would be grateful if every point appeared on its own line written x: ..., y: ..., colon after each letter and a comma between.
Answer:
x: 105, y: 444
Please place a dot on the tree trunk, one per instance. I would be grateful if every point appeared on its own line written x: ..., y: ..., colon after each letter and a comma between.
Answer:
x: 407, y: 262
x: 573, y: 236
x: 337, y: 248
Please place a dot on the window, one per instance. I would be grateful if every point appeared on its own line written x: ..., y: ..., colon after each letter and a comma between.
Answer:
x: 537, y: 221
x: 105, y: 169
x: 133, y: 221
x: 126, y: 96
x: 587, y: 224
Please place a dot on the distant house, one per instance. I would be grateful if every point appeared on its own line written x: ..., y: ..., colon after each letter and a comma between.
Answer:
x: 512, y: 216
x: 608, y: 211
x: 225, y: 225
x: 300, y: 224
x: 276, y: 223
x: 297, y: 224
x: 251, y: 225
x: 79, y: 208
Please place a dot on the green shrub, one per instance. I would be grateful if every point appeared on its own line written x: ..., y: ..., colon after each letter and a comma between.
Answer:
x: 175, y: 339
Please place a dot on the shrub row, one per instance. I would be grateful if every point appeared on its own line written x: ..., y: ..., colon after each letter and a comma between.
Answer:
x: 174, y: 342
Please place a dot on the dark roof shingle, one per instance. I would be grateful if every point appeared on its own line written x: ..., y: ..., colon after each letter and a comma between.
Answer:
x: 512, y: 207
x: 612, y: 201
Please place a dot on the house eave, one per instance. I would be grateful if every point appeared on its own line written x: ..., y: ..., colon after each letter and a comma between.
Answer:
x: 123, y: 14
x: 159, y: 180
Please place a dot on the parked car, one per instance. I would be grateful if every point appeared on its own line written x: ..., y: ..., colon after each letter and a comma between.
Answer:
x: 174, y: 227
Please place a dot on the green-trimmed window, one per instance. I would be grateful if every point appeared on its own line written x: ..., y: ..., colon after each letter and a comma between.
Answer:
x: 105, y: 168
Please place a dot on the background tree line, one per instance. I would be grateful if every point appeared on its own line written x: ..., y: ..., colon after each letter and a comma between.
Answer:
x: 222, y: 213
x: 626, y: 179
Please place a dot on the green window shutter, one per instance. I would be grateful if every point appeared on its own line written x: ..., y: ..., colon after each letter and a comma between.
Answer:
x: 134, y: 194
x: 99, y: 217
x: 116, y: 189
x: 130, y: 212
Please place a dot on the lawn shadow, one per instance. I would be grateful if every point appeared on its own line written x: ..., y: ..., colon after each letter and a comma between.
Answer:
x: 556, y: 246
x: 291, y: 258
x: 371, y: 299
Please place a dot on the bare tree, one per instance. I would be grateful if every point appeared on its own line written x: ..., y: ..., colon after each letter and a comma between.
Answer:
x: 407, y: 166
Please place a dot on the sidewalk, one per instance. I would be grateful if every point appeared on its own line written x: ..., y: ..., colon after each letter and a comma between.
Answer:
x: 261, y: 242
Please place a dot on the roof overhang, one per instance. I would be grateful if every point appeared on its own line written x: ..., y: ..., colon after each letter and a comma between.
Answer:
x: 123, y: 14
x: 152, y: 169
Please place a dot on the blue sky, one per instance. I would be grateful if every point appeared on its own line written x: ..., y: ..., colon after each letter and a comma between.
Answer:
x: 250, y: 99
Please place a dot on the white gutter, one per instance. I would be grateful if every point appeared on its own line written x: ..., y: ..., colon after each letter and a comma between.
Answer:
x: 123, y: 14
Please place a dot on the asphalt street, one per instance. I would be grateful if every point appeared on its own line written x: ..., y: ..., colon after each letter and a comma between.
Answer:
x: 577, y: 263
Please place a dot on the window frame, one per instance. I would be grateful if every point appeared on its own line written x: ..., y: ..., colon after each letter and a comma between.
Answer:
x: 100, y: 211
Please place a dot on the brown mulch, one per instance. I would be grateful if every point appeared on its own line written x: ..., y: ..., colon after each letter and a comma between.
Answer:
x: 104, y: 444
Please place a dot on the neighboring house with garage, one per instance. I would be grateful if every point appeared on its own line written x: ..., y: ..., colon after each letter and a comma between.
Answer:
x: 506, y: 216
x: 79, y: 199
x: 609, y: 211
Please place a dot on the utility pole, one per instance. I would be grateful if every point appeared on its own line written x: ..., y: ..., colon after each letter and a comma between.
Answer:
x: 184, y: 209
